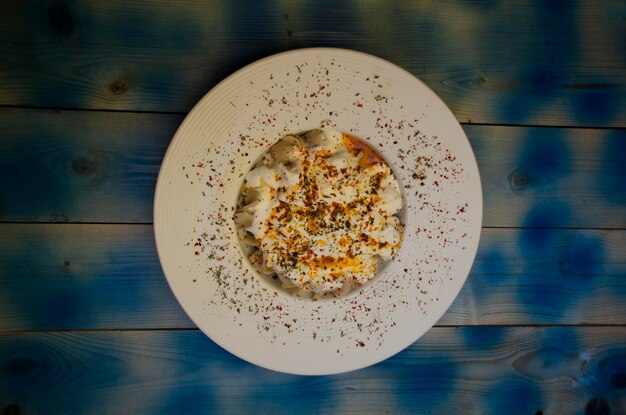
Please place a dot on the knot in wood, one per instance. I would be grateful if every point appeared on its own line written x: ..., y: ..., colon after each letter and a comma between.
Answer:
x: 118, y: 87
x: 519, y: 180
x: 83, y: 166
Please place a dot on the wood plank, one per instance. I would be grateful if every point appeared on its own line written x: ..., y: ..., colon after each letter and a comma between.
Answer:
x: 60, y: 166
x: 471, y: 370
x: 83, y: 276
x: 57, y: 276
x: 544, y: 276
x: 551, y: 177
x: 521, y: 62
x: 78, y: 166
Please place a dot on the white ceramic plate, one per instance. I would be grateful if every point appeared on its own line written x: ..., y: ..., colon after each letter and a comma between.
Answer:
x: 232, y: 126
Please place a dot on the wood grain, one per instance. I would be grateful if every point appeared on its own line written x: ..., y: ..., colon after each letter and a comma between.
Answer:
x: 470, y: 370
x: 88, y: 323
x: 83, y: 276
x: 56, y: 277
x: 60, y: 166
x: 551, y: 177
x: 544, y: 276
x: 76, y: 166
x: 519, y: 62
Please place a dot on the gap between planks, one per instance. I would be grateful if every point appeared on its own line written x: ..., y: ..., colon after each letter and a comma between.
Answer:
x: 184, y: 329
x: 185, y: 113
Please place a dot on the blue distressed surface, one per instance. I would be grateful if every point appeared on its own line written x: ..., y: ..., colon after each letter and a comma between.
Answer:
x: 519, y: 62
x: 555, y: 205
x: 72, y: 166
x: 544, y: 276
x: 71, y: 276
x: 551, y: 177
x: 77, y: 167
x: 81, y: 277
x: 554, y: 370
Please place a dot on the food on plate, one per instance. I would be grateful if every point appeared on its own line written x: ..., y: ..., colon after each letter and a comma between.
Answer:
x: 319, y: 212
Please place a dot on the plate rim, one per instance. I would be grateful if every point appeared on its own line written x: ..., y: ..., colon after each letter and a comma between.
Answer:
x: 157, y: 201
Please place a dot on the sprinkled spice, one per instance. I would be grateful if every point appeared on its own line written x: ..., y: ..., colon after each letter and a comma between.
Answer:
x: 321, y: 233
x: 424, y: 166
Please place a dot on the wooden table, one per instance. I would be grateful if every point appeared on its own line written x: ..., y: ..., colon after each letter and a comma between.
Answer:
x: 91, y: 93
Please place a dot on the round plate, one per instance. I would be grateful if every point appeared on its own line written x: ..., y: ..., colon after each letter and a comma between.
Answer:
x: 226, y: 133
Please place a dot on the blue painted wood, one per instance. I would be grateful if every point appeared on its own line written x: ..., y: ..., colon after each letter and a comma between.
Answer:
x: 102, y: 167
x: 544, y: 276
x: 515, y: 62
x: 470, y: 370
x: 60, y: 166
x: 60, y: 277
x: 523, y: 62
x: 551, y: 177
x: 82, y: 277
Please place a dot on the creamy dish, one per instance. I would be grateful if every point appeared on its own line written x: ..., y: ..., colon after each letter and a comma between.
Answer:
x: 319, y: 212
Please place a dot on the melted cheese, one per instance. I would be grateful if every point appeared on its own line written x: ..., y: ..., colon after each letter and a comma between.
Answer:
x: 324, y: 211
